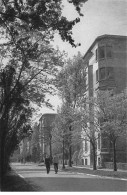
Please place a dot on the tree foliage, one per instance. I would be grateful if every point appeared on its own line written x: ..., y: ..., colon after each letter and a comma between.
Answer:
x: 105, y: 115
x: 112, y: 110
x: 86, y: 127
x: 71, y: 81
x: 61, y: 127
x: 44, y: 15
x: 61, y: 133
x: 113, y: 113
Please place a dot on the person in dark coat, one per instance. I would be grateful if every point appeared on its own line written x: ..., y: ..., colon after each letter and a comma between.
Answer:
x: 55, y: 161
x: 47, y: 163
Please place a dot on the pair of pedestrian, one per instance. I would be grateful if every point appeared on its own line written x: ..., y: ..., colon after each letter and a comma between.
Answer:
x: 48, y: 163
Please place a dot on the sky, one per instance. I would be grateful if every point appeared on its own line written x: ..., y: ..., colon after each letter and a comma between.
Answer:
x: 100, y: 17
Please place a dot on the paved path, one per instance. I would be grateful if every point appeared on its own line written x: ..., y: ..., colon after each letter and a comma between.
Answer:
x: 66, y: 181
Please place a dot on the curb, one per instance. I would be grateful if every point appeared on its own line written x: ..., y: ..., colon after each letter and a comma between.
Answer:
x: 21, y: 176
x: 116, y: 178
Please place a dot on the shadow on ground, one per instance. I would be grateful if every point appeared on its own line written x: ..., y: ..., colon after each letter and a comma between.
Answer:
x: 14, y: 183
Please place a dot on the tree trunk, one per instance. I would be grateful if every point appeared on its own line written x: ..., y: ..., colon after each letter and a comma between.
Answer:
x: 94, y: 158
x: 2, y: 154
x: 63, y: 156
x: 70, y: 150
x: 4, y: 159
x: 114, y: 156
x: 70, y: 157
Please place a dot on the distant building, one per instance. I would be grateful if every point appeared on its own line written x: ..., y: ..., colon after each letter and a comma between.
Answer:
x: 45, y: 128
x: 106, y: 62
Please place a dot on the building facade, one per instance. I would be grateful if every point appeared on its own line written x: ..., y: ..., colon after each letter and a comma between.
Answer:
x: 45, y: 128
x: 106, y: 67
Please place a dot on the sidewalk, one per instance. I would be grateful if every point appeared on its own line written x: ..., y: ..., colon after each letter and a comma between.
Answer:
x: 13, y: 182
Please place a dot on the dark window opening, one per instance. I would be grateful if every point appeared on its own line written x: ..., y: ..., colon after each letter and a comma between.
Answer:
x: 99, y: 161
x: 108, y: 51
x: 101, y: 52
x: 102, y: 74
x: 85, y: 161
x: 104, y: 51
x: 110, y: 72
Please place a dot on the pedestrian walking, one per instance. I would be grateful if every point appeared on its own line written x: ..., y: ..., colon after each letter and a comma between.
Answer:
x: 55, y: 162
x: 47, y: 163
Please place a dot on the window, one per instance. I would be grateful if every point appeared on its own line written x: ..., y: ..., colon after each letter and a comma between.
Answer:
x: 108, y: 51
x: 85, y: 161
x: 102, y: 74
x: 97, y: 78
x: 104, y: 51
x: 99, y: 161
x: 110, y: 72
x: 86, y: 148
x: 101, y: 52
x: 105, y: 73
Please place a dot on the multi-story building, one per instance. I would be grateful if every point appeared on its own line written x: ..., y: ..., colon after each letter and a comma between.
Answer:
x: 45, y: 128
x: 106, y: 62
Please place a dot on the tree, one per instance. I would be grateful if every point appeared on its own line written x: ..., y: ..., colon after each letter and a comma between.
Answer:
x: 35, y: 147
x: 15, y: 107
x: 15, y: 117
x: 21, y: 82
x: 71, y: 86
x: 71, y: 81
x: 26, y: 28
x: 105, y: 115
x: 58, y: 138
x: 86, y: 127
x: 113, y: 117
x: 61, y: 134
x: 38, y: 15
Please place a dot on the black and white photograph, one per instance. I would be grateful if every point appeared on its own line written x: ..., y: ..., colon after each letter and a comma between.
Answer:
x: 63, y: 96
